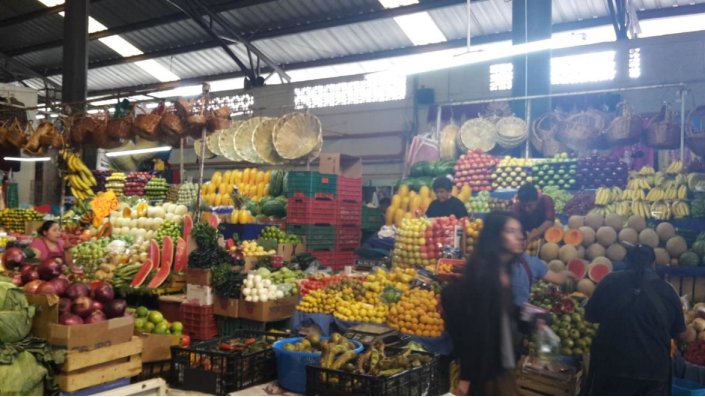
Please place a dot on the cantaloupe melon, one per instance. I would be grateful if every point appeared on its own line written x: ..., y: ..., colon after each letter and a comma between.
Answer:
x: 602, y: 259
x: 581, y: 251
x: 556, y: 265
x: 637, y: 223
x: 629, y: 235
x: 663, y: 258
x: 616, y: 252
x: 594, y: 221
x: 665, y: 231
x: 567, y: 253
x: 606, y: 236
x: 586, y: 286
x: 573, y: 237
x: 576, y: 221
x: 615, y: 221
x: 588, y: 235
x: 649, y: 237
x: 676, y: 246
x: 594, y: 251
x: 549, y: 252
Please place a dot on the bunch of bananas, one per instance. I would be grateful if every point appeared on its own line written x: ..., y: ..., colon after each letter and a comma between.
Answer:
x: 630, y: 194
x: 647, y: 170
x: 605, y: 195
x: 640, y: 182
x: 623, y: 208
x: 641, y: 208
x: 79, y: 177
x: 670, y: 193
x: 604, y: 211
x: 680, y: 209
x: 675, y: 167
x: 661, y: 210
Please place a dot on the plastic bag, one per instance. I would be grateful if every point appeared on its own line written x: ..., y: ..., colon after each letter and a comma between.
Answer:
x: 547, y: 343
x: 423, y: 148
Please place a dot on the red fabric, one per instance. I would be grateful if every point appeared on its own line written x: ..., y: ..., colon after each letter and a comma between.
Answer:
x: 44, y: 252
x: 545, y: 211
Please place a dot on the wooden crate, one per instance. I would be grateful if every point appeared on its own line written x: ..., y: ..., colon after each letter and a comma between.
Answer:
x: 533, y: 382
x: 96, y: 367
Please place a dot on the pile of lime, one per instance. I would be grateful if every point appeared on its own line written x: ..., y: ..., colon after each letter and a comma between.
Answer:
x: 153, y: 322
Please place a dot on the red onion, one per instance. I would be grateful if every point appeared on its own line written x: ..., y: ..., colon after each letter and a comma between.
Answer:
x: 49, y: 269
x: 104, y: 292
x: 13, y: 257
x: 82, y: 306
x: 70, y: 319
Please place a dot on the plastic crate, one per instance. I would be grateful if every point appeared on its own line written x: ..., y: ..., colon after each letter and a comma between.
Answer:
x: 231, y: 326
x: 311, y: 211
x: 157, y: 369
x: 204, y: 368
x: 336, y: 260
x: 685, y: 387
x: 350, y: 189
x: 199, y: 321
x: 349, y: 213
x: 311, y: 184
x: 318, y: 237
x: 421, y: 381
x: 372, y: 218
x: 347, y: 238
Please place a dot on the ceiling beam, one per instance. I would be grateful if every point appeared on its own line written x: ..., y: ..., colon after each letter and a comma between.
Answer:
x: 269, y: 33
x: 19, y: 70
x: 131, y: 27
x: 28, y: 16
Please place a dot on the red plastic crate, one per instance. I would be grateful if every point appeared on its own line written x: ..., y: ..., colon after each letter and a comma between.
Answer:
x: 347, y: 237
x: 319, y: 196
x: 336, y: 260
x: 199, y: 321
x: 311, y: 211
x: 349, y: 213
x: 350, y: 189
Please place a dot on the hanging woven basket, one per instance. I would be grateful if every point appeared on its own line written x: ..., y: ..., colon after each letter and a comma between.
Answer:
x: 263, y: 143
x: 477, y: 133
x: 243, y: 141
x: 296, y: 135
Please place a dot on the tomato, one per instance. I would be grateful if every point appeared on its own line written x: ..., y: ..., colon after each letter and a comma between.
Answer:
x: 185, y: 341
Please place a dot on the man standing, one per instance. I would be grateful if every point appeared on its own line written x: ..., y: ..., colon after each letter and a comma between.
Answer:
x: 535, y: 211
x: 445, y: 204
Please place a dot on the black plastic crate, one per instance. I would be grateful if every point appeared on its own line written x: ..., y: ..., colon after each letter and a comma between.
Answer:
x: 156, y: 369
x: 421, y: 381
x: 202, y: 368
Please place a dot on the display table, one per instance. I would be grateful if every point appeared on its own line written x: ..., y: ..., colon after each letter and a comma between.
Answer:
x: 685, y: 370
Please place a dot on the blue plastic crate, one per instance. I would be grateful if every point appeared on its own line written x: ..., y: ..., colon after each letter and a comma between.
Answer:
x: 99, y: 389
x: 685, y: 387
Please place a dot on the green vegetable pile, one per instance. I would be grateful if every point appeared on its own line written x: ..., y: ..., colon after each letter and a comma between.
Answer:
x: 282, y: 237
x: 209, y: 253
x: 560, y: 197
x: 227, y: 283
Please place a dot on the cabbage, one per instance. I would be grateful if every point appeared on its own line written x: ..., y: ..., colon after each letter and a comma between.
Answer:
x: 263, y: 272
x: 24, y: 377
x: 15, y: 313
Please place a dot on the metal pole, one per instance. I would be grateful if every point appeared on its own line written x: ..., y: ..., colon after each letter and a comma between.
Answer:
x: 206, y: 90
x: 438, y: 122
x: 683, y: 94
x: 181, y: 161
x: 528, y: 128
x: 62, y: 197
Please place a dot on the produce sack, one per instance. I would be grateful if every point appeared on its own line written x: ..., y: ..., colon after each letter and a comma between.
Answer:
x: 422, y: 148
x: 15, y: 313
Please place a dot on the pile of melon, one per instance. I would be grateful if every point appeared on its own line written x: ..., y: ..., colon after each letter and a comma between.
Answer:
x: 590, y: 244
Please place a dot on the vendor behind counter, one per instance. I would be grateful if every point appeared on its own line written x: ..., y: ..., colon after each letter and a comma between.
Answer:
x: 445, y: 204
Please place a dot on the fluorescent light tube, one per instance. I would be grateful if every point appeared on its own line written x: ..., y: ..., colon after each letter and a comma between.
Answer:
x: 27, y: 159
x: 138, y: 151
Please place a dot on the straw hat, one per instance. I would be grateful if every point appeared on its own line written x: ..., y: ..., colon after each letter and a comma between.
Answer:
x: 263, y: 144
x: 477, y: 134
x: 296, y: 135
x: 198, y: 145
x: 212, y: 143
x: 226, y: 142
x: 244, y: 143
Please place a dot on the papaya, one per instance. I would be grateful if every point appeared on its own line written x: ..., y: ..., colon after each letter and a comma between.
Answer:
x: 226, y: 176
x: 403, y: 190
x: 425, y: 192
x: 217, y: 178
x: 389, y: 215
x: 396, y: 201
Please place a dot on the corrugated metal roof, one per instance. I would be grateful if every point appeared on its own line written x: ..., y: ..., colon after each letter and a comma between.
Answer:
x: 106, y: 78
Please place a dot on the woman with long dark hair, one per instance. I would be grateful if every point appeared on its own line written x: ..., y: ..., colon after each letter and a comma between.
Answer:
x: 638, y: 313
x: 479, y: 312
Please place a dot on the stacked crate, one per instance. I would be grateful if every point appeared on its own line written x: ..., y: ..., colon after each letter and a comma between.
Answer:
x: 326, y: 211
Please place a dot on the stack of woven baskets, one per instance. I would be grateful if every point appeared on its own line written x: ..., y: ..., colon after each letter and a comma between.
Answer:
x: 485, y: 133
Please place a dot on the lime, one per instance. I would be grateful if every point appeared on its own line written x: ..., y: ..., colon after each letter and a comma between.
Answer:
x: 161, y: 328
x: 139, y: 324
x: 142, y: 311
x: 155, y: 317
x: 148, y: 327
x: 176, y: 326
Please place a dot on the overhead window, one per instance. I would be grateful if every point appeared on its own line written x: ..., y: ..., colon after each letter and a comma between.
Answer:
x: 634, y: 63
x: 584, y: 68
x: 501, y: 76
x: 350, y: 93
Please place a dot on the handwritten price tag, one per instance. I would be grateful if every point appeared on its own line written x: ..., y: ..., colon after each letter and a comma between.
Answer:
x: 103, y: 205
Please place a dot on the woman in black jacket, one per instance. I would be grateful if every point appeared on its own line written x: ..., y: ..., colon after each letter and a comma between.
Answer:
x: 479, y: 314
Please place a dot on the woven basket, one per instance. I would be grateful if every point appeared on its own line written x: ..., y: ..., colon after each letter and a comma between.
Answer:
x: 511, y: 132
x: 625, y: 128
x: 146, y: 125
x: 217, y: 123
x: 478, y: 133
x: 543, y: 134
x: 581, y: 131
x: 183, y: 107
x: 121, y: 127
x: 297, y: 135
x: 695, y: 134
x: 448, y: 146
x: 15, y: 136
x: 662, y: 131
x: 4, y: 130
x: 222, y: 113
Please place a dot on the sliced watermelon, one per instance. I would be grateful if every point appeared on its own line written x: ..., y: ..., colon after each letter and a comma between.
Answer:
x: 167, y: 252
x: 181, y: 258
x: 213, y: 221
x: 578, y: 267
x: 161, y: 275
x: 188, y: 225
x: 142, y: 274
x: 153, y: 253
x: 598, y: 271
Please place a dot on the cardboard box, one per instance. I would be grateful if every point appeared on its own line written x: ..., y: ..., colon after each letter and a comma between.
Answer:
x: 226, y: 307
x: 199, y: 293
x: 269, y: 311
x: 250, y: 262
x: 340, y: 164
x: 157, y: 347
x: 289, y: 251
x: 84, y: 337
x: 198, y: 276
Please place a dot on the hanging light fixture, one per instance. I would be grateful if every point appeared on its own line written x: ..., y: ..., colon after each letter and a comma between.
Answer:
x: 138, y: 151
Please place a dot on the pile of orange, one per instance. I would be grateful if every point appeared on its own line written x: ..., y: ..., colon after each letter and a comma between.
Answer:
x: 417, y: 314
x: 472, y: 231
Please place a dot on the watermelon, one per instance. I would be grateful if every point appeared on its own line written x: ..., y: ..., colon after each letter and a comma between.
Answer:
x: 167, y: 252
x: 188, y: 225
x: 578, y: 267
x: 689, y: 259
x: 274, y: 208
x: 444, y: 168
x: 213, y: 221
x: 598, y: 271
x: 699, y: 248
x: 276, y: 184
x: 181, y: 257
x: 153, y: 253
x: 421, y: 168
x: 141, y: 274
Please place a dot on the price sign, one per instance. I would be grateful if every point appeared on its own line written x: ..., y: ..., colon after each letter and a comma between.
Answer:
x: 103, y: 205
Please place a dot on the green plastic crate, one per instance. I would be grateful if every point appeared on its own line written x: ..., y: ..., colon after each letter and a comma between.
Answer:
x: 318, y: 237
x: 311, y: 184
x: 372, y: 218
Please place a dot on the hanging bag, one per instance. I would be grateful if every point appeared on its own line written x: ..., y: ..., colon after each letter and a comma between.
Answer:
x: 146, y: 125
x: 422, y: 148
